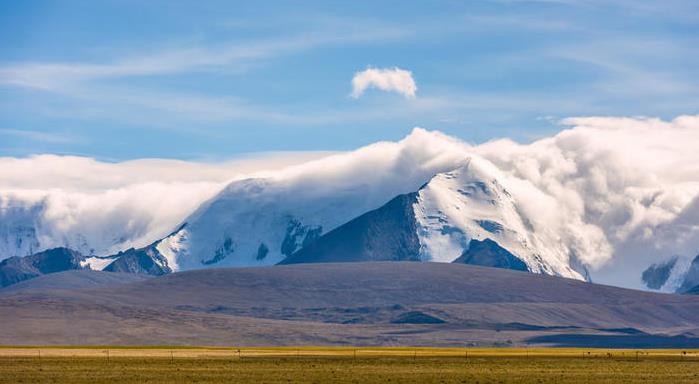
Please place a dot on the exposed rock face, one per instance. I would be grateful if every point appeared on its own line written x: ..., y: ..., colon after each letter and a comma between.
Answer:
x: 388, y: 233
x: 298, y: 236
x: 144, y: 260
x: 488, y: 253
x: 657, y: 274
x: 262, y: 251
x: 691, y: 278
x: 16, y: 269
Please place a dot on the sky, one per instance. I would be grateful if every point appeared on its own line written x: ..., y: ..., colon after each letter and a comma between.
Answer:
x: 210, y: 81
x: 129, y: 114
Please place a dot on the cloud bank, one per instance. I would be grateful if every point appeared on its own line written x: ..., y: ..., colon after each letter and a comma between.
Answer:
x: 386, y: 79
x: 98, y: 207
x: 620, y: 193
x: 625, y: 191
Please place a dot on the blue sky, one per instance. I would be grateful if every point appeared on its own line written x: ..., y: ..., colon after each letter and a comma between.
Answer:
x: 121, y: 80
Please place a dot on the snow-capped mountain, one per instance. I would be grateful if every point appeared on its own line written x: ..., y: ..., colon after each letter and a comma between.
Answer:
x: 459, y: 211
x: 680, y: 275
x: 557, y: 205
x: 259, y: 222
x: 470, y: 203
x: 462, y: 214
x: 264, y: 222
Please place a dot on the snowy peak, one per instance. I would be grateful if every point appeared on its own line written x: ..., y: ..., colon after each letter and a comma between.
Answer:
x: 251, y: 222
x: 470, y: 203
x: 454, y: 207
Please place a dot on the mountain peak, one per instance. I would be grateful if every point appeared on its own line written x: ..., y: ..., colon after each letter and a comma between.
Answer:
x: 471, y: 203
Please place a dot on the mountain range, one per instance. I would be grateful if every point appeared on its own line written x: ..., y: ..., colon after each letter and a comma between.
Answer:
x: 464, y: 215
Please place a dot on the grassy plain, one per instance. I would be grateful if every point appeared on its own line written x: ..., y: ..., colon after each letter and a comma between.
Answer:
x: 325, y: 365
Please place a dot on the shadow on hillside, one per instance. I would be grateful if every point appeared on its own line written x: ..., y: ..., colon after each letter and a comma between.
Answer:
x: 616, y: 341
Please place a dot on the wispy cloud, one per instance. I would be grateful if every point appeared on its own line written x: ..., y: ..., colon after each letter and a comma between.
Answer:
x: 55, y: 76
x: 104, y: 90
x: 46, y: 137
x: 633, y: 66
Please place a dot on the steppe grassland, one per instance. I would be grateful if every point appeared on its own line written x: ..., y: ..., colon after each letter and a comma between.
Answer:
x: 344, y: 365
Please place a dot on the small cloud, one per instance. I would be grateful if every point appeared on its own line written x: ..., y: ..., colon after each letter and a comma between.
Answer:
x: 386, y: 79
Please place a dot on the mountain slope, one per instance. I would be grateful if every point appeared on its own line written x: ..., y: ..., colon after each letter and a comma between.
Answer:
x: 489, y: 254
x: 16, y: 269
x: 691, y: 278
x: 469, y: 203
x: 655, y: 276
x: 73, y: 279
x: 144, y: 260
x: 388, y: 233
x: 257, y: 222
x: 675, y: 275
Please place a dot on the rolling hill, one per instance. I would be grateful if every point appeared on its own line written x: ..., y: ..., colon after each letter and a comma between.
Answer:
x: 366, y: 303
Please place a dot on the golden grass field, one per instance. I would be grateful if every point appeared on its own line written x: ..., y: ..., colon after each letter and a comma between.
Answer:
x: 344, y: 365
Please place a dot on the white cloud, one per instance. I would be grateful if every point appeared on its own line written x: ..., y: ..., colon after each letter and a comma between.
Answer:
x: 386, y: 79
x: 105, y: 207
x: 623, y: 191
